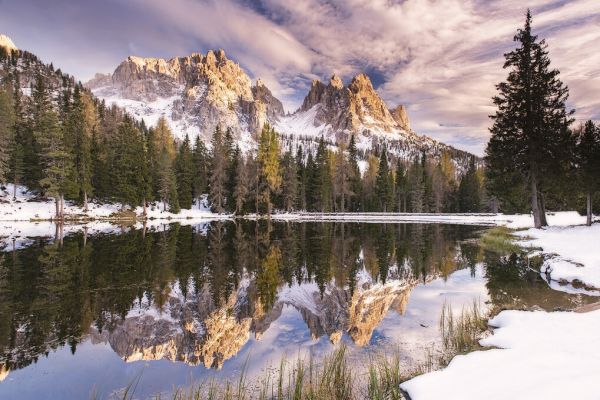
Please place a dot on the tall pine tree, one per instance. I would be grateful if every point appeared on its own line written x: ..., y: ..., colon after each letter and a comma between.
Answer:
x: 531, y: 123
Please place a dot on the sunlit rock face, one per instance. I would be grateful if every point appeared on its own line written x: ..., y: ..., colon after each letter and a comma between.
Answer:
x: 194, y: 93
x: 4, y: 371
x: 7, y: 43
x: 190, y: 328
x: 194, y: 330
x: 355, y: 108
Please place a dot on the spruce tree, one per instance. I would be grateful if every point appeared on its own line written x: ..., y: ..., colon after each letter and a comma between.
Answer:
x: 322, y: 182
x: 218, y: 174
x: 201, y: 163
x: 127, y: 165
x: 17, y: 151
x: 469, y: 192
x: 81, y: 122
x: 7, y: 122
x: 268, y: 156
x: 56, y: 160
x: 184, y: 165
x: 290, y: 181
x: 588, y: 164
x: 301, y: 178
x: 354, y: 175
x: 167, y: 182
x: 242, y: 184
x: 531, y: 123
x: 382, y: 183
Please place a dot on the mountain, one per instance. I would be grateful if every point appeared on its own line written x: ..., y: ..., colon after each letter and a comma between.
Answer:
x: 7, y: 43
x: 194, y: 93
x: 198, y: 92
x: 195, y: 330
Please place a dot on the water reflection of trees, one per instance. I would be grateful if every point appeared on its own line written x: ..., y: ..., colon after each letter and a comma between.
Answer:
x: 52, y: 293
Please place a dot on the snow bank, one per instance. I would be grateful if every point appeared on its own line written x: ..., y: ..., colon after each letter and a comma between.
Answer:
x: 573, y: 255
x: 27, y: 208
x: 518, y: 221
x: 541, y: 356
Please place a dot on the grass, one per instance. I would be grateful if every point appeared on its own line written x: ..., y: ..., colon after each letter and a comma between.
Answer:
x: 334, y: 378
x: 500, y: 240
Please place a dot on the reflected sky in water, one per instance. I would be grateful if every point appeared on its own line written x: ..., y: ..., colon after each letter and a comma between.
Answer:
x: 92, y: 314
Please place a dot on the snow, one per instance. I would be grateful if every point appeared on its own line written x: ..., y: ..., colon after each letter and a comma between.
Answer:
x: 573, y: 253
x: 539, y: 355
x: 302, y: 124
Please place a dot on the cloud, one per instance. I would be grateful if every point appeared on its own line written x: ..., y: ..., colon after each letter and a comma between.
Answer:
x: 441, y: 58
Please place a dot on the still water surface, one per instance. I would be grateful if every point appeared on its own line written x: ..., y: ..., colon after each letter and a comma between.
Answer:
x: 88, y: 315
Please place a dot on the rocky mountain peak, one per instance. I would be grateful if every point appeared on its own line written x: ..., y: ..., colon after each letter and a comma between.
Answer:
x: 7, y: 43
x: 356, y: 108
x: 194, y: 93
x: 336, y: 82
x: 401, y: 117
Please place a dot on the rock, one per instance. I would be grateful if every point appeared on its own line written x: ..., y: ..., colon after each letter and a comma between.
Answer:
x: 7, y: 43
x: 401, y: 117
x: 195, y: 93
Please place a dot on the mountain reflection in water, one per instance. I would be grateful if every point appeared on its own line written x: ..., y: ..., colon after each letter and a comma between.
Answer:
x: 198, y: 294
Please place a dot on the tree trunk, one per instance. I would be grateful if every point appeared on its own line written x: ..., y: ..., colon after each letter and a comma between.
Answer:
x: 589, y: 209
x: 85, y: 201
x: 57, y: 206
x: 62, y: 207
x: 15, y: 190
x: 542, y: 210
x: 145, y: 208
x: 535, y: 205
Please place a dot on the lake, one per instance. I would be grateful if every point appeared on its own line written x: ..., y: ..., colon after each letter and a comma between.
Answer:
x: 87, y: 315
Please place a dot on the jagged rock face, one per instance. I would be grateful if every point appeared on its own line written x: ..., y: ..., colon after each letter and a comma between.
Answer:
x: 355, y: 108
x: 195, y: 93
x: 401, y: 117
x: 7, y: 43
x: 194, y: 330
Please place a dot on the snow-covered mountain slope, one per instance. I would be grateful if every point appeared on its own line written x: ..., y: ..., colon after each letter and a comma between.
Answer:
x: 335, y: 111
x: 198, y: 92
x: 194, y: 93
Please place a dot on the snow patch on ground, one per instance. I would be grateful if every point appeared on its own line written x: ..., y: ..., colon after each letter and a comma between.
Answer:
x: 540, y: 356
x: 572, y: 254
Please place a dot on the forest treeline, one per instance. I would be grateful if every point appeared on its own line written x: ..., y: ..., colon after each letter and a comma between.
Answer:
x: 63, y: 143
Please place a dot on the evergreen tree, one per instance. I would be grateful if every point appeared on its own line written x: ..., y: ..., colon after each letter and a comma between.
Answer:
x: 322, y: 182
x: 469, y: 192
x: 17, y: 151
x: 354, y: 175
x: 126, y: 164
x: 6, y: 133
x: 56, y: 160
x: 242, y: 184
x: 81, y: 123
x: 382, y: 183
x: 588, y: 164
x: 530, y: 127
x: 301, y: 178
x: 201, y: 163
x: 268, y: 155
x: 167, y: 182
x: 184, y: 165
x: 290, y: 181
x: 401, y: 187
x: 218, y: 174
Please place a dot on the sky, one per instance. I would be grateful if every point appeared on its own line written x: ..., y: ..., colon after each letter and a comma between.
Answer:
x: 440, y: 58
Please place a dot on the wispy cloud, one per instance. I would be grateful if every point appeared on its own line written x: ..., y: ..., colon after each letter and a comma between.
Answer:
x: 440, y: 57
